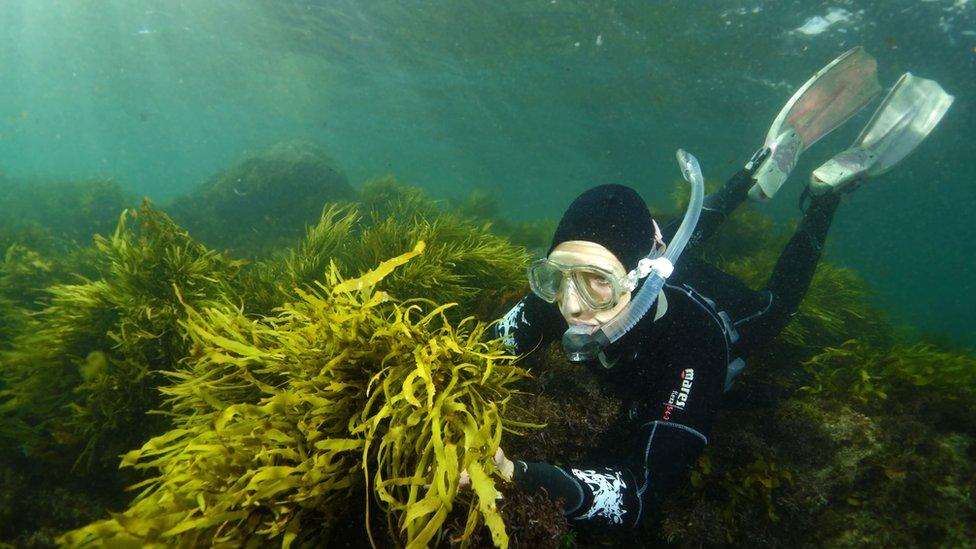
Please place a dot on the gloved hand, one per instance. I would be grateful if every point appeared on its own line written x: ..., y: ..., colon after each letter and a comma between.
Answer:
x: 505, y: 466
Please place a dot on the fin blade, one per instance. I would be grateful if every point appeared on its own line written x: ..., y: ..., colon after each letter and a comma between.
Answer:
x: 908, y: 114
x: 830, y: 97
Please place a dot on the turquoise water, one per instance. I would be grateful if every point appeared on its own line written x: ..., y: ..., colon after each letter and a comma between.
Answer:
x: 531, y: 100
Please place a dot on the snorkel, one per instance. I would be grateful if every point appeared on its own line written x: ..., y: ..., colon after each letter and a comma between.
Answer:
x: 582, y: 343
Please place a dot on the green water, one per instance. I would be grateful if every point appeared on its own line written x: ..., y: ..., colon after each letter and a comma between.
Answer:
x: 532, y: 100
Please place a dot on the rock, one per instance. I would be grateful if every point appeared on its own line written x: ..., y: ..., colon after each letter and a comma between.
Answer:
x: 264, y: 200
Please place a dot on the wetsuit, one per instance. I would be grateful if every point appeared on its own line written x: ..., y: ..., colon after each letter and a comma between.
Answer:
x: 670, y: 371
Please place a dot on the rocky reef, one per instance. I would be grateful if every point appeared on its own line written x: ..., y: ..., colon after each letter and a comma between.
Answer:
x: 327, y: 375
x: 264, y: 201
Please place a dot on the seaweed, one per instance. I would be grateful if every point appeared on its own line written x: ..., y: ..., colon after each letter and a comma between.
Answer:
x: 905, y: 372
x: 483, y: 207
x: 866, y: 469
x: 532, y: 519
x: 464, y: 263
x: 277, y: 420
x: 386, y: 196
x: 740, y: 488
x: 22, y: 272
x: 264, y: 398
x: 82, y: 379
x: 569, y: 400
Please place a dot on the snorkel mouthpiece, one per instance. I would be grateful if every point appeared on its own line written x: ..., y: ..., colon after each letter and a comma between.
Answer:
x: 581, y: 343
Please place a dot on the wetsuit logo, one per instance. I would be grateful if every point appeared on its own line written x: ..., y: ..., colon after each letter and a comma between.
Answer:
x: 679, y: 397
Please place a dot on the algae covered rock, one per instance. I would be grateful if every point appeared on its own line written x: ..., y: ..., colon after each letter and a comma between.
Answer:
x: 569, y: 400
x: 828, y: 472
x: 302, y: 390
x: 532, y: 519
x: 265, y: 199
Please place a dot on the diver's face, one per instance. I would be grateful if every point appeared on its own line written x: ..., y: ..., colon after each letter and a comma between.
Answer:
x: 582, y: 253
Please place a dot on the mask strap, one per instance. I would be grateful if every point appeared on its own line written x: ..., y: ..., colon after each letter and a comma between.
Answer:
x: 644, y: 266
x: 658, y: 247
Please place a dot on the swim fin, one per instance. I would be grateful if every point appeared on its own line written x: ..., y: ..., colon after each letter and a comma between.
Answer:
x: 907, y: 115
x: 825, y: 101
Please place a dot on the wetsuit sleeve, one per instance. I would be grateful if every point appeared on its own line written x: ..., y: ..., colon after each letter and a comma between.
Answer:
x: 670, y: 437
x: 717, y: 207
x: 530, y: 324
x: 605, y: 496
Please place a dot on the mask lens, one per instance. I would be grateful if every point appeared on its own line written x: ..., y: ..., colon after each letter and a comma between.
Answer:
x: 596, y: 287
x: 545, y: 279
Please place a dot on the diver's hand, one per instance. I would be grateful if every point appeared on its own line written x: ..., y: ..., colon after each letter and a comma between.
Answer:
x: 505, y: 466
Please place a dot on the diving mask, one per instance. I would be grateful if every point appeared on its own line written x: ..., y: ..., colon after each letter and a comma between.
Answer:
x: 598, y: 288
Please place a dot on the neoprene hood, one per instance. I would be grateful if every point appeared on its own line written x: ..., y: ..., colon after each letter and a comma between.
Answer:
x: 613, y: 216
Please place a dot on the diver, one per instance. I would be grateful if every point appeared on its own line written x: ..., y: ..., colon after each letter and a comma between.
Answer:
x: 668, y: 338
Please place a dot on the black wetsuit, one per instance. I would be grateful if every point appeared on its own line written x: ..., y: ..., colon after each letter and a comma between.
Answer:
x: 672, y: 368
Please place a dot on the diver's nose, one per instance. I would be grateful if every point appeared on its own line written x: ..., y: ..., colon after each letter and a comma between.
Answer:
x: 570, y: 302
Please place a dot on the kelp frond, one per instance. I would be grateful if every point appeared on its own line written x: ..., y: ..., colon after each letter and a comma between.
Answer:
x: 323, y: 242
x: 464, y: 262
x: 277, y: 420
x: 88, y: 373
x: 24, y: 273
x: 860, y: 371
x: 386, y: 197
